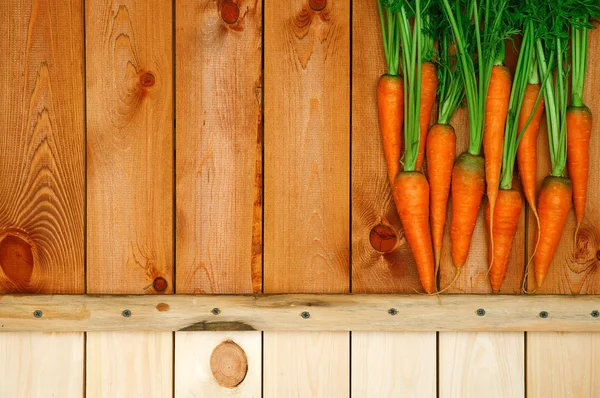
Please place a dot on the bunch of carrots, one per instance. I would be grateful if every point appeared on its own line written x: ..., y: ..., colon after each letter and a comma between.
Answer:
x: 452, y: 50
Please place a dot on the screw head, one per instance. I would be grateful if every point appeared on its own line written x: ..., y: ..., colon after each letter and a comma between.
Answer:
x: 126, y: 313
x: 37, y: 313
x: 305, y: 314
x: 543, y: 314
x: 393, y: 311
x: 215, y: 311
x: 480, y: 312
x: 595, y: 313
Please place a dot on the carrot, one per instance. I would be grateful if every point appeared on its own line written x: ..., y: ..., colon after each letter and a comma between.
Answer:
x: 496, y: 110
x: 390, y: 101
x: 411, y: 195
x: 506, y: 221
x: 468, y: 184
x: 429, y: 85
x: 527, y: 150
x: 579, y: 129
x: 441, y: 150
x: 554, y: 203
x: 390, y: 93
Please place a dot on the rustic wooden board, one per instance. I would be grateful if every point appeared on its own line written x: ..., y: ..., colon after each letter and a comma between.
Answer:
x: 130, y: 173
x: 41, y: 185
x: 381, y: 258
x: 306, y: 225
x: 218, y: 364
x: 471, y: 374
x: 219, y: 184
x: 569, y: 368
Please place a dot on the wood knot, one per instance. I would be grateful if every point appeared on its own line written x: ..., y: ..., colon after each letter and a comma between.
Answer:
x: 229, y: 364
x: 163, y: 307
x: 317, y: 5
x: 584, y: 246
x: 230, y: 12
x: 147, y: 79
x: 160, y: 284
x: 16, y: 258
x: 383, y: 238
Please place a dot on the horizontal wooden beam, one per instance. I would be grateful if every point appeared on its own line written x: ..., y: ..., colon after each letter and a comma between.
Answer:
x: 306, y: 312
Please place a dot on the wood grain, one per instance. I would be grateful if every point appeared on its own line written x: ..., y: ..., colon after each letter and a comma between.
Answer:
x: 482, y: 364
x: 393, y: 364
x: 219, y: 182
x: 219, y: 149
x: 130, y: 169
x: 472, y: 375
x: 194, y: 376
x: 568, y: 368
x: 41, y: 185
x: 130, y: 151
x: 306, y: 226
x: 284, y: 312
x: 384, y: 364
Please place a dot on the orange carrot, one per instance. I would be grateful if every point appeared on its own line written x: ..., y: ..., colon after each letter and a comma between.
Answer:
x: 496, y: 110
x: 527, y: 150
x: 468, y: 185
x: 441, y: 150
x: 429, y: 84
x: 411, y: 195
x: 554, y: 203
x: 390, y: 102
x: 506, y: 221
x: 579, y: 129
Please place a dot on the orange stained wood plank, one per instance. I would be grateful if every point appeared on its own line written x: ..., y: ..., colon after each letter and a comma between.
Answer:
x: 569, y: 367
x: 219, y: 186
x: 307, y: 165
x: 383, y: 364
x: 41, y: 185
x: 130, y: 184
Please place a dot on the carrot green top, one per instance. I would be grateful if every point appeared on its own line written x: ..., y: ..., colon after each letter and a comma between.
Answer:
x: 487, y: 25
x: 391, y: 37
x: 585, y: 10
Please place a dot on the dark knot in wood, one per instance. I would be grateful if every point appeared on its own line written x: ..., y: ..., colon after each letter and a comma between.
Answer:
x: 230, y: 12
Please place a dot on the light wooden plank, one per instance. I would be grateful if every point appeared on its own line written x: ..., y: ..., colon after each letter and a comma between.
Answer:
x: 203, y: 369
x: 41, y: 186
x: 469, y: 362
x: 129, y: 364
x: 325, y: 312
x: 306, y: 225
x: 563, y: 364
x: 41, y: 364
x: 383, y: 364
x: 393, y: 364
x: 301, y: 364
x: 130, y: 167
x: 219, y: 184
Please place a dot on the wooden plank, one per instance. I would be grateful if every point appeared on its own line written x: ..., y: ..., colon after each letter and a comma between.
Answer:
x: 568, y: 369
x: 383, y: 364
x: 306, y: 226
x: 41, y: 185
x: 218, y: 364
x: 219, y: 186
x: 388, y: 364
x: 470, y: 375
x: 130, y: 167
x: 300, y: 312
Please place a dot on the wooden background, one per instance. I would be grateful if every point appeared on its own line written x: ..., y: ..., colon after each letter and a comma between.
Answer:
x: 149, y: 147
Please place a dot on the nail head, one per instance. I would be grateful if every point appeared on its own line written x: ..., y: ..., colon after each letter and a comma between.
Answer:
x: 595, y: 313
x: 126, y: 313
x: 481, y: 312
x: 305, y: 314
x: 392, y: 311
x: 37, y: 313
x: 543, y: 314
